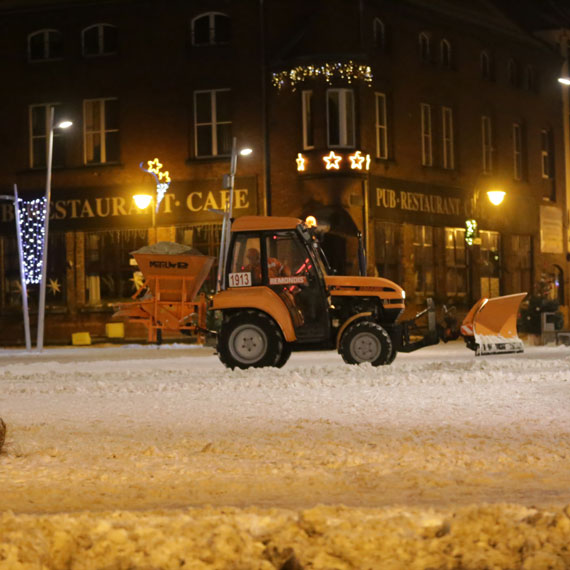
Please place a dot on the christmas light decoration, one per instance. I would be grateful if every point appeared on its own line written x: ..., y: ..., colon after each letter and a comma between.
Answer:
x: 54, y: 286
x: 356, y: 160
x: 332, y: 161
x: 32, y: 218
x: 367, y: 162
x: 301, y: 160
x: 163, y: 180
x: 348, y: 71
x: 470, y: 231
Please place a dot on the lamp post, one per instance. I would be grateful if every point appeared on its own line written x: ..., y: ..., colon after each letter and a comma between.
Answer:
x: 228, y: 184
x: 143, y: 201
x: 42, y: 302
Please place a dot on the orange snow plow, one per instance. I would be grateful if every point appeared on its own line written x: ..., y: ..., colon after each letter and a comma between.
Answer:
x: 490, y: 327
x: 168, y: 299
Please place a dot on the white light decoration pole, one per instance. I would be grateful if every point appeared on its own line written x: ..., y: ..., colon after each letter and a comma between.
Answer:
x: 228, y: 184
x: 42, y: 302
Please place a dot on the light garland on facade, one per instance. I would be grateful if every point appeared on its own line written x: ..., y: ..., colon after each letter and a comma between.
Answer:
x: 358, y: 161
x: 163, y: 180
x: 332, y: 161
x: 301, y: 161
x: 32, y: 217
x: 348, y: 71
x: 470, y: 231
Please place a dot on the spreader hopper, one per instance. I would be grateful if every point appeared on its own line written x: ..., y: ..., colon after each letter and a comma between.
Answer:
x: 173, y: 275
x: 490, y: 327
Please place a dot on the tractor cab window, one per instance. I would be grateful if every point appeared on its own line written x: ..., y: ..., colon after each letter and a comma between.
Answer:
x: 245, y: 267
x: 286, y: 257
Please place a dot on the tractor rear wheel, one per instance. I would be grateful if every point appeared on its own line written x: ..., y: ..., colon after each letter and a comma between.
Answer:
x: 250, y: 339
x: 366, y: 341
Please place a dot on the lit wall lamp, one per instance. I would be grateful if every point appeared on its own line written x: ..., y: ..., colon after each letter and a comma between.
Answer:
x: 496, y: 197
x: 564, y: 80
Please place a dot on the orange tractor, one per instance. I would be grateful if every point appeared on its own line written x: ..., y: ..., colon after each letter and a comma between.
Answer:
x: 277, y: 294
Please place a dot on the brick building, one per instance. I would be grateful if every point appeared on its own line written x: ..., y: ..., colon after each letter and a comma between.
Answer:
x: 389, y: 118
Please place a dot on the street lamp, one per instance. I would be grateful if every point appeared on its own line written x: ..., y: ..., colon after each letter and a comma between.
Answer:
x: 42, y: 304
x: 142, y: 202
x: 228, y: 184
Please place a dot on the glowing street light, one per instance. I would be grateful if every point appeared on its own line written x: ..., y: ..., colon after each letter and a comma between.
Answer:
x: 564, y: 80
x: 42, y: 302
x: 496, y: 197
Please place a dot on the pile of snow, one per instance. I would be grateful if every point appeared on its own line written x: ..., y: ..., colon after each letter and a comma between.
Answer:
x: 440, y: 460
x: 168, y: 248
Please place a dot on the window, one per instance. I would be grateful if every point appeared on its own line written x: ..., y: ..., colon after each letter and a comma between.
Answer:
x: 212, y: 123
x: 517, y: 152
x: 101, y: 131
x: 445, y: 53
x: 490, y: 263
x: 455, y: 263
x: 546, y: 154
x: 388, y: 250
x: 340, y: 113
x: 513, y: 73
x: 381, y: 126
x: 521, y: 270
x: 486, y: 60
x: 487, y: 144
x: 45, y: 45
x: 379, y: 33
x: 425, y: 47
x: 211, y: 29
x: 448, y: 143
x: 307, y: 103
x: 427, y: 152
x: 39, y: 117
x: 424, y: 261
x: 99, y: 39
x: 530, y: 78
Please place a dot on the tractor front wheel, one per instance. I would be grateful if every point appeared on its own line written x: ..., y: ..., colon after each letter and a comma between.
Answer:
x: 250, y: 339
x: 366, y: 341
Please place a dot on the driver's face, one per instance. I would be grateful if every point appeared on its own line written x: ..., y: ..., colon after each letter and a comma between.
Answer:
x: 253, y: 256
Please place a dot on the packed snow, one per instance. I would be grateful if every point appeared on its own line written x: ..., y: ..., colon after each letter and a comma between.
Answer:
x: 139, y: 457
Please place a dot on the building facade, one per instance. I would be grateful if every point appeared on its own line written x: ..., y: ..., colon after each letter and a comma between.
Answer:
x: 388, y: 119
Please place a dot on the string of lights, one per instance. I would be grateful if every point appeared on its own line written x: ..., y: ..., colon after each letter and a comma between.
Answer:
x: 32, y: 217
x: 348, y: 71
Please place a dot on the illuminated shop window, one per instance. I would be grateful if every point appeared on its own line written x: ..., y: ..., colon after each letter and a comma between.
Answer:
x: 424, y: 261
x: 455, y: 264
x: 490, y: 263
x: 388, y: 250
x: 45, y: 45
x: 521, y: 269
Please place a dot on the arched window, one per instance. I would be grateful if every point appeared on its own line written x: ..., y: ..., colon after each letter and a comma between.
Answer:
x: 425, y: 46
x: 212, y: 28
x: 99, y: 39
x: 513, y: 73
x: 44, y: 45
x: 530, y: 78
x: 445, y: 53
x: 486, y: 61
x: 379, y: 33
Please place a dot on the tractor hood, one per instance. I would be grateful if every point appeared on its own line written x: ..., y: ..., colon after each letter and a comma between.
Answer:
x: 346, y: 285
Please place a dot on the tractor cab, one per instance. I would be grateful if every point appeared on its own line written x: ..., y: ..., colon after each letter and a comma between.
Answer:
x: 287, y: 261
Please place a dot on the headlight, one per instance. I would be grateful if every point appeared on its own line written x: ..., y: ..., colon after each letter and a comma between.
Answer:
x: 403, y: 295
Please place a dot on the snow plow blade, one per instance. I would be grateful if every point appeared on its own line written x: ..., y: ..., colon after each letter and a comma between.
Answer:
x: 490, y: 327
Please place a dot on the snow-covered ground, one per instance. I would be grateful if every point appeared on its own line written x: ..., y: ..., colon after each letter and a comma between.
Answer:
x: 134, y: 457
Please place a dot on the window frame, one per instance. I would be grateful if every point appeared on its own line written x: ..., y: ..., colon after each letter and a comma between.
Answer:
x: 426, y: 125
x: 513, y: 73
x: 487, y: 149
x: 101, y: 51
x: 458, y: 267
x: 378, y: 24
x: 517, y: 151
x: 546, y: 154
x: 344, y: 128
x: 31, y: 137
x: 486, y: 65
x: 445, y: 53
x: 47, y: 47
x: 424, y: 46
x: 213, y: 123
x: 380, y: 103
x: 307, y: 119
x: 103, y: 131
x: 211, y: 28
x: 447, y: 138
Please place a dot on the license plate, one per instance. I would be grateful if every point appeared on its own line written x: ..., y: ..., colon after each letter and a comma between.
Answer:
x: 240, y: 279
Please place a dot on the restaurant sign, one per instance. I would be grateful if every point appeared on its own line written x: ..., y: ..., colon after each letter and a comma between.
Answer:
x: 416, y: 203
x: 103, y: 208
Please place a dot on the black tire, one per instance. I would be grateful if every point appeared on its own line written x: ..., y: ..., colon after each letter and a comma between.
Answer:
x: 366, y: 341
x: 250, y: 339
x: 285, y: 354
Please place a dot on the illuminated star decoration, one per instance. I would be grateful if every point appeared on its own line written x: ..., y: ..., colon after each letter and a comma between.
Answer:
x: 356, y: 160
x: 32, y: 214
x: 54, y: 286
x: 301, y: 160
x: 332, y: 160
x: 163, y: 180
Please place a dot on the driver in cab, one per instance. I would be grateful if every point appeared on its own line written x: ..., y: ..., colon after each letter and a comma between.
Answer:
x: 274, y: 267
